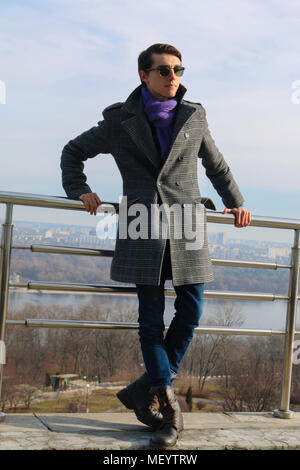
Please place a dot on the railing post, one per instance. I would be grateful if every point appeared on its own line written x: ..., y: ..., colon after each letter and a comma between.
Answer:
x: 7, y: 231
x: 284, y: 411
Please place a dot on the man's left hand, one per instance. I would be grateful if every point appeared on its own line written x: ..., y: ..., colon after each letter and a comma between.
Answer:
x: 242, y: 216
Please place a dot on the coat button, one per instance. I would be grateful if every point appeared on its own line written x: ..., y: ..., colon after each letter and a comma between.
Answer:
x: 186, y: 135
x: 177, y: 183
x: 180, y: 158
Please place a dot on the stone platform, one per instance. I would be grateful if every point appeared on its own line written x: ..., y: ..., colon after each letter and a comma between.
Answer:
x: 121, y: 431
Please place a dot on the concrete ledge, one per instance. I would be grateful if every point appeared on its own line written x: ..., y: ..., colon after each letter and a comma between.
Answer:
x: 121, y: 431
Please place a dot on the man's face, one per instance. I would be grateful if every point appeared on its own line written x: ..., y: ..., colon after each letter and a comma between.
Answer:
x: 162, y: 88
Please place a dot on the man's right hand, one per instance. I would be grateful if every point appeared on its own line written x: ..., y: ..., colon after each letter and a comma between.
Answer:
x: 91, y: 202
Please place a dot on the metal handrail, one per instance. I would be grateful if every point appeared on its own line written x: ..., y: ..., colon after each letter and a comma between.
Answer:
x: 113, y: 290
x: 36, y: 200
x: 71, y: 250
x: 91, y: 324
x: 59, y: 202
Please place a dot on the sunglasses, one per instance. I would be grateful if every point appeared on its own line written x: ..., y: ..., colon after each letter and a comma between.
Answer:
x: 165, y: 70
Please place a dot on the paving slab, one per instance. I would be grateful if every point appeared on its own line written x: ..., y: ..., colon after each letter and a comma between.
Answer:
x: 20, y: 423
x: 121, y: 431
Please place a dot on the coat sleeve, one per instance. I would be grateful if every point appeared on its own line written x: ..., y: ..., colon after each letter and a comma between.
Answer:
x: 87, y: 145
x: 218, y: 171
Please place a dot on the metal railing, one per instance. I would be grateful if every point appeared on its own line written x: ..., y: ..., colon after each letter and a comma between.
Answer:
x: 11, y: 199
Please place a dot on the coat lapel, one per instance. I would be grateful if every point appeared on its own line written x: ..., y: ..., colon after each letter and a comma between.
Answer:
x: 139, y: 129
x: 183, y: 115
x: 140, y: 132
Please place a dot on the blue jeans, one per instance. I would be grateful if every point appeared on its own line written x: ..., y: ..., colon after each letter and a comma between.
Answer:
x: 163, y: 354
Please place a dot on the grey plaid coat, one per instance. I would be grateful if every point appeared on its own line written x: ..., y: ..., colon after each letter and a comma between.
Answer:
x: 126, y: 134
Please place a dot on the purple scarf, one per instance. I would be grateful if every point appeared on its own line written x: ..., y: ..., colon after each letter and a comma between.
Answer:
x: 161, y: 114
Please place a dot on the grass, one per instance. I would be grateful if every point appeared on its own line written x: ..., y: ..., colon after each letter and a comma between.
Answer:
x: 102, y: 400
x: 99, y: 401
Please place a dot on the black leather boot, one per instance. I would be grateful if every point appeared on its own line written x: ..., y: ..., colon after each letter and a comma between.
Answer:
x: 136, y: 396
x: 172, y: 424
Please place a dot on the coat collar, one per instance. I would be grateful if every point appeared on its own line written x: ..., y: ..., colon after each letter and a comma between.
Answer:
x: 139, y: 128
x: 134, y: 102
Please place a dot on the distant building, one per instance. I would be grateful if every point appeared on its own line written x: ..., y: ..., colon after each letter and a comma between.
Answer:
x: 221, y: 238
x: 273, y: 252
x: 61, y: 381
x: 63, y: 232
x: 49, y: 234
x: 15, y: 277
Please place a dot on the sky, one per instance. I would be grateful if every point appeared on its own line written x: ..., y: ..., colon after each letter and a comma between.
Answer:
x: 63, y: 61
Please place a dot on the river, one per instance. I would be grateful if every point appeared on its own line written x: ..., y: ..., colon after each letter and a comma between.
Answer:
x: 256, y: 314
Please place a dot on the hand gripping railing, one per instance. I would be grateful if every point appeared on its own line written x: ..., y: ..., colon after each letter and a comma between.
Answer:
x: 11, y: 199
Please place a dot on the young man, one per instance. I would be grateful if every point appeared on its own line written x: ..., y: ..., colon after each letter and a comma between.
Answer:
x: 156, y: 138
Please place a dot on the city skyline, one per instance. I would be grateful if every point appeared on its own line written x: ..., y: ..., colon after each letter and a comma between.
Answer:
x: 215, y: 238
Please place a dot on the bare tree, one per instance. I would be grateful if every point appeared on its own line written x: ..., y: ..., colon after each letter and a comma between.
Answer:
x: 207, y: 351
x: 116, y: 348
x: 26, y: 393
x: 90, y: 352
x: 254, y: 382
x: 227, y: 314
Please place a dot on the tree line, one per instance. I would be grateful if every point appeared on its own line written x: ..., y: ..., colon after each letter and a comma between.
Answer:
x: 96, y: 270
x: 249, y: 368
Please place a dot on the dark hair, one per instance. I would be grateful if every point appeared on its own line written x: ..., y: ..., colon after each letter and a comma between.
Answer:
x: 145, y: 59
